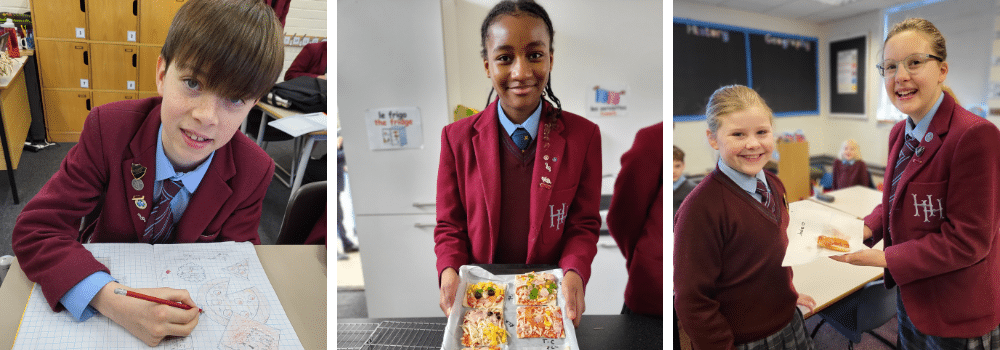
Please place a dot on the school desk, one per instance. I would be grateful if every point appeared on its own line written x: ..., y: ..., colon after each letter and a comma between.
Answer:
x: 825, y: 279
x: 296, y: 272
x: 15, y: 119
x: 304, y: 143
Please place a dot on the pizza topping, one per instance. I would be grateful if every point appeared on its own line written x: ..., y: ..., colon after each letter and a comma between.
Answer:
x: 479, y: 294
x: 833, y: 243
x: 491, y: 291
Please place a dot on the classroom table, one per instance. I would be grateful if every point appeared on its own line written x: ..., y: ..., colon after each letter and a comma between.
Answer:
x: 825, y: 280
x: 15, y: 119
x: 304, y: 142
x: 296, y: 272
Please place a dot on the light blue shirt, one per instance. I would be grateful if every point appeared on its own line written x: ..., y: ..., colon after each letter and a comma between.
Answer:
x: 680, y: 181
x: 77, y: 299
x: 918, y: 131
x: 746, y: 182
x: 531, y: 125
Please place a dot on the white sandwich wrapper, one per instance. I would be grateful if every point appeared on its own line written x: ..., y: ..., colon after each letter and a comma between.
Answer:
x: 808, y: 220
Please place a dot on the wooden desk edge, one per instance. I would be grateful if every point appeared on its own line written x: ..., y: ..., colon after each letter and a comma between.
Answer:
x: 819, y: 308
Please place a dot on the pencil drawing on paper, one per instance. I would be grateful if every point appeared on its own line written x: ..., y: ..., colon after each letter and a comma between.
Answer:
x: 221, y: 305
x: 191, y: 272
x: 244, y: 333
x: 177, y: 343
x: 241, y: 269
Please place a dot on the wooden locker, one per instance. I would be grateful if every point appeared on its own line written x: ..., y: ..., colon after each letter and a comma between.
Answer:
x: 113, y: 20
x: 59, y: 19
x: 147, y: 67
x: 155, y: 18
x: 65, y: 112
x: 63, y: 64
x: 105, y: 97
x: 145, y: 94
x: 115, y: 67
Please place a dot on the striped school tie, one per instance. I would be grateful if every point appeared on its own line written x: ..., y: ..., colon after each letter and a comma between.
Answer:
x: 765, y: 197
x: 909, y: 145
x: 159, y: 229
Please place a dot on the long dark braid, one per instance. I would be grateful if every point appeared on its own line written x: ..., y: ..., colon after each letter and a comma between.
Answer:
x: 530, y: 7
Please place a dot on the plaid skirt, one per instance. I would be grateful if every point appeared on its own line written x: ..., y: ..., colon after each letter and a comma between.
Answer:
x: 792, y: 337
x: 911, y: 338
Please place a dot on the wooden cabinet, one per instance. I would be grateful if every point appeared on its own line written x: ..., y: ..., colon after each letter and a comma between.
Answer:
x: 113, y: 20
x: 105, y: 97
x: 114, y: 59
x: 793, y: 169
x: 155, y: 18
x: 117, y: 68
x: 16, y: 116
x: 59, y: 18
x: 65, y: 111
x: 147, y: 67
x: 66, y: 64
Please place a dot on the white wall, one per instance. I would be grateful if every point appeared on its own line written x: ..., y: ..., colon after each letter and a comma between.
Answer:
x: 596, y: 42
x: 15, y: 6
x: 690, y: 136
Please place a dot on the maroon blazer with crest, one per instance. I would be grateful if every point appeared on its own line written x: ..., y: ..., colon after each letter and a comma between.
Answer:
x: 468, y: 193
x: 943, y: 251
x: 96, y: 174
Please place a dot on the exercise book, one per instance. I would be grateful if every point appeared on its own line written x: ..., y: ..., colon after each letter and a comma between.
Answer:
x: 226, y: 280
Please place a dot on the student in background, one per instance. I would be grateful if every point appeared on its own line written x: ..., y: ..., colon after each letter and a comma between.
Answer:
x: 848, y: 169
x: 168, y: 169
x: 729, y: 239
x: 310, y: 62
x: 940, y: 212
x: 635, y: 220
x: 682, y: 185
x: 519, y: 182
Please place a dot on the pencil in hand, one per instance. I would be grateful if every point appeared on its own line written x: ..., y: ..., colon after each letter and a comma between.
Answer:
x: 121, y: 291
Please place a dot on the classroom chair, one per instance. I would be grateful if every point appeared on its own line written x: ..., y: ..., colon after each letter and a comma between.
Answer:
x: 861, y: 312
x: 303, y: 210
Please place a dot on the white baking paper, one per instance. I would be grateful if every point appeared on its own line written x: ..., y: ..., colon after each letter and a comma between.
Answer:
x: 475, y: 274
x: 808, y: 220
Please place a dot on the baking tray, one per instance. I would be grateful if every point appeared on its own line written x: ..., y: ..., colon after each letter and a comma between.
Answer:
x: 474, y: 274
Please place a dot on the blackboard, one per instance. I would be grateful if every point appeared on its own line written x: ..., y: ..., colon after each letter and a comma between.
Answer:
x: 782, y: 68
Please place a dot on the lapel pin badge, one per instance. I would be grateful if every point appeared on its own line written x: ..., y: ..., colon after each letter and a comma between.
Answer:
x: 555, y: 159
x: 547, y: 167
x: 140, y: 202
x: 140, y: 217
x: 546, y: 183
x: 928, y: 136
x: 545, y: 157
x: 919, y: 151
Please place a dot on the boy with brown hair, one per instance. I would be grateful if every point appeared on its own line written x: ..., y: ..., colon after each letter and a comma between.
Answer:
x: 169, y: 169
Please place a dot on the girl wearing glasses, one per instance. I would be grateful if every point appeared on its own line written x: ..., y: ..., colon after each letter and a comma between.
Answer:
x: 940, y: 210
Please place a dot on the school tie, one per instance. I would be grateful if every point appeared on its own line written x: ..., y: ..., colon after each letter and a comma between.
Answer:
x: 521, y: 138
x: 765, y: 197
x: 161, y: 220
x: 909, y: 145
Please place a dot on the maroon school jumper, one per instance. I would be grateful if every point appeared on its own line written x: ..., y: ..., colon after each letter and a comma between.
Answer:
x: 845, y: 176
x: 729, y: 285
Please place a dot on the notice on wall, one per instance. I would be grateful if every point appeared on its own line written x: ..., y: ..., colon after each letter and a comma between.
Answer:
x: 393, y: 128
x: 607, y: 101
x: 847, y: 72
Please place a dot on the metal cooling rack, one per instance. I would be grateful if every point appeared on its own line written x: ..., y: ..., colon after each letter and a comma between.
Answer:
x: 389, y: 335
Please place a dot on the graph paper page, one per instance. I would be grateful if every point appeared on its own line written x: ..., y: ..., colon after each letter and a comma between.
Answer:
x: 225, y: 279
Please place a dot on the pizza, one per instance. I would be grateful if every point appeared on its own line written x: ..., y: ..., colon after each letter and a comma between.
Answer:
x: 536, y: 288
x: 540, y: 322
x: 833, y: 243
x: 483, y: 327
x: 483, y: 295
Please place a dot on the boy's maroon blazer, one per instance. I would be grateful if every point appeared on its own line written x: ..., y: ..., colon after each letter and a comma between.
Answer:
x: 944, y: 250
x: 564, y: 214
x: 635, y: 220
x: 97, y: 175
